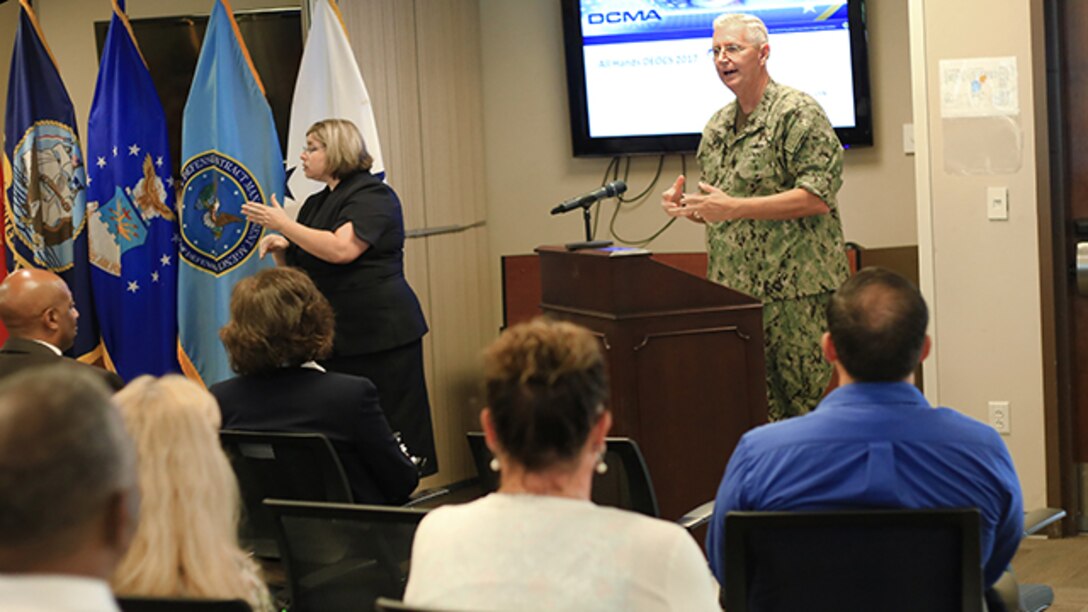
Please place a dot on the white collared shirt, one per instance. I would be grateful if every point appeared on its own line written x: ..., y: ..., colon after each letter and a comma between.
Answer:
x: 312, y: 365
x: 55, y: 593
x: 56, y: 350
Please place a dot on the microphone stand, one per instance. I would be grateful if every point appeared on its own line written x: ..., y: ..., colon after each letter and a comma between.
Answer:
x: 589, y: 242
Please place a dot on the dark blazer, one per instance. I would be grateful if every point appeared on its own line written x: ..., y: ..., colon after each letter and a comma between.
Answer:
x: 344, y: 408
x: 19, y: 354
x: 376, y: 310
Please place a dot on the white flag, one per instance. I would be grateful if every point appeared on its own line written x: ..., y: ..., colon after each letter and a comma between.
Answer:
x: 329, y: 86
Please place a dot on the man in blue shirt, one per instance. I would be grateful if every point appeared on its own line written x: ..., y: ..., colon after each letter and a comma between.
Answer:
x: 875, y: 442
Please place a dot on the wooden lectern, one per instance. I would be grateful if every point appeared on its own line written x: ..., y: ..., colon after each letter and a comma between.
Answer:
x: 685, y: 357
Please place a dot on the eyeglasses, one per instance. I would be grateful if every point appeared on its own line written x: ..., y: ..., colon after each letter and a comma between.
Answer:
x: 310, y: 150
x: 730, y: 51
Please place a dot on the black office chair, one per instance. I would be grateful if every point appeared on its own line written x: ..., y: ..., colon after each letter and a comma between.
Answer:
x: 481, y: 457
x: 888, y: 560
x: 626, y: 485
x: 298, y: 466
x: 343, y: 556
x: 627, y: 482
x: 156, y: 604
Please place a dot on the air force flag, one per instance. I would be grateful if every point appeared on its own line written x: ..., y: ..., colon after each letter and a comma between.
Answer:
x: 232, y: 155
x: 132, y: 224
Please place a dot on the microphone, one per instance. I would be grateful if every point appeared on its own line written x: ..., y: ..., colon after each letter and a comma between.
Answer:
x: 610, y: 190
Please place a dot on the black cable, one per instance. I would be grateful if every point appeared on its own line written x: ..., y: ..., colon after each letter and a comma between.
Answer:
x: 640, y: 243
x: 653, y: 182
x: 635, y: 200
x: 613, y: 168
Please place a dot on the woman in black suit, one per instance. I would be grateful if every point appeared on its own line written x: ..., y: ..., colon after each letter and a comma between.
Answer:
x: 349, y: 238
x: 279, y: 324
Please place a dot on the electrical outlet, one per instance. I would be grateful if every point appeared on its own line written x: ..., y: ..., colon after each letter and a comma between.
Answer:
x: 1001, y: 417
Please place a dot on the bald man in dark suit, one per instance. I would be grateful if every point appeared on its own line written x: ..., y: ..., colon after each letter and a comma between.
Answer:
x: 40, y: 315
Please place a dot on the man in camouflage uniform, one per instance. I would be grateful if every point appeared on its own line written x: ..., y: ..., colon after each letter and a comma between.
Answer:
x: 771, y: 166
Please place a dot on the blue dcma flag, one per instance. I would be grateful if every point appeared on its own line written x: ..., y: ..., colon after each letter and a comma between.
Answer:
x: 45, y: 220
x: 132, y: 222
x: 232, y: 154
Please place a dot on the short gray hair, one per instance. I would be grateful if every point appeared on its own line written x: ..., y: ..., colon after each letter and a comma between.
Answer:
x: 755, y: 31
x: 64, y: 453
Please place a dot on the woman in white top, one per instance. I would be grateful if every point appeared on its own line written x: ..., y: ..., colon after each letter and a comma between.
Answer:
x: 539, y: 543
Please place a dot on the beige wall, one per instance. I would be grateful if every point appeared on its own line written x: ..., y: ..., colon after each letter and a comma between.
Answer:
x: 987, y: 334
x: 430, y: 114
x: 877, y: 195
x: 528, y: 152
x: 981, y: 277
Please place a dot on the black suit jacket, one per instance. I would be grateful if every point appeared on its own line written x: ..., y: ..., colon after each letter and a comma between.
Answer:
x: 344, y: 408
x: 19, y: 354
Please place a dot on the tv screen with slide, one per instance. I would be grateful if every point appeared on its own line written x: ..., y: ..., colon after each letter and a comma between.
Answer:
x: 641, y: 79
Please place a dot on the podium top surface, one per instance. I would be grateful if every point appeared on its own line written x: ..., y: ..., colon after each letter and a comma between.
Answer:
x: 597, y: 280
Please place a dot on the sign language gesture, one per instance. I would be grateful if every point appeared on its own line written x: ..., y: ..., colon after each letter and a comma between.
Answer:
x: 272, y: 217
x: 272, y: 243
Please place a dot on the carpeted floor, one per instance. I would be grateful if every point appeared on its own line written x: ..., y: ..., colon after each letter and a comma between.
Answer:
x: 1063, y: 564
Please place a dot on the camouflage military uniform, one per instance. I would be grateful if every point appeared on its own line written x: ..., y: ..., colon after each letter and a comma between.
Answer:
x: 791, y: 265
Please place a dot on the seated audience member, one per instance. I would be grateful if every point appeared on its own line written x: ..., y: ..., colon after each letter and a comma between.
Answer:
x: 40, y: 315
x: 539, y: 543
x: 279, y: 325
x: 68, y: 496
x: 875, y: 442
x: 186, y: 544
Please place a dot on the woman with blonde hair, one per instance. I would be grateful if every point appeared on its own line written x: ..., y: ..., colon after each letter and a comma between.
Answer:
x: 349, y: 238
x: 186, y: 544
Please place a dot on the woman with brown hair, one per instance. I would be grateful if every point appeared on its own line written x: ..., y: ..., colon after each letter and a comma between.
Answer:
x: 539, y: 543
x: 280, y: 324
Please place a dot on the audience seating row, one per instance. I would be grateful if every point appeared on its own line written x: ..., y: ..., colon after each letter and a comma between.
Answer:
x: 290, y: 466
x: 342, y: 556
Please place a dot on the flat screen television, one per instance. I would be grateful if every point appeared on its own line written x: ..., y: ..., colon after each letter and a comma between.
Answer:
x: 641, y: 79
x: 171, y: 47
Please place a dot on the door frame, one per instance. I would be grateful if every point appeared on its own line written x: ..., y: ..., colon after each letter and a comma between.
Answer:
x: 1055, y: 236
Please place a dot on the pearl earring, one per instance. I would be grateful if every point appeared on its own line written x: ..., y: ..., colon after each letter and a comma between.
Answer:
x: 494, y: 465
x: 601, y: 467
